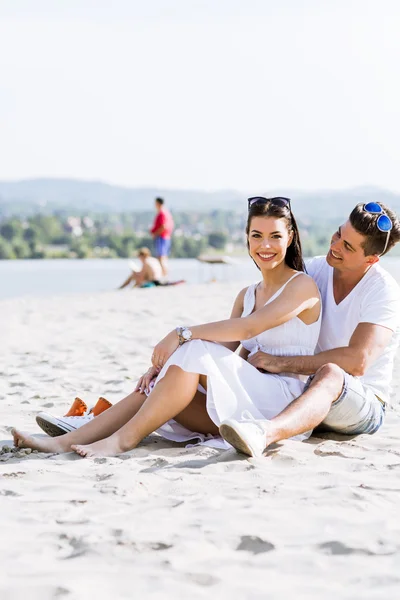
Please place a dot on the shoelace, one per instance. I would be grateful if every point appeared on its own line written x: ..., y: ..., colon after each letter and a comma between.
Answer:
x: 88, y: 415
x: 247, y: 417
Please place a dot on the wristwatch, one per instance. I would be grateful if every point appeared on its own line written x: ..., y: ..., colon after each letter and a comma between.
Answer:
x: 184, y: 334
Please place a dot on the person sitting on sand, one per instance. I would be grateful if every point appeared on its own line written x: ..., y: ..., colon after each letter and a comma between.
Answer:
x: 349, y: 384
x: 195, y: 383
x: 150, y: 272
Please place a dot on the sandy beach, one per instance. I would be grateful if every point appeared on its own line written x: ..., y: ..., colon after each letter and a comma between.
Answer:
x: 310, y: 520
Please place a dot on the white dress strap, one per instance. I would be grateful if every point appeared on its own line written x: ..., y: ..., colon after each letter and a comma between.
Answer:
x: 290, y: 279
x: 279, y: 292
x: 249, y: 299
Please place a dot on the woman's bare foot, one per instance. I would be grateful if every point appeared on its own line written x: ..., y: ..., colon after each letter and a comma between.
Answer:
x: 53, y: 445
x: 108, y: 447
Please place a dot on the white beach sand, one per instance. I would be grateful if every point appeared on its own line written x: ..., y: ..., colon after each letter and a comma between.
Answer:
x: 310, y: 520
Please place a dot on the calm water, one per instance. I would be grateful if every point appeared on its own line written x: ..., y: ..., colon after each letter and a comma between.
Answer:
x: 55, y: 277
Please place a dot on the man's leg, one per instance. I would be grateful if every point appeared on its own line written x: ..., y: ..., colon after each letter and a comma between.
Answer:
x: 303, y: 414
x: 164, y: 265
x: 309, y: 409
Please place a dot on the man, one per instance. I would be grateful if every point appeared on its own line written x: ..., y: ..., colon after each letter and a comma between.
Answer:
x: 150, y: 272
x: 161, y: 231
x: 350, y: 374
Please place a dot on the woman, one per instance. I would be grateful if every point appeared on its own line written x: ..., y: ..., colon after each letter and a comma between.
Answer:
x: 201, y: 383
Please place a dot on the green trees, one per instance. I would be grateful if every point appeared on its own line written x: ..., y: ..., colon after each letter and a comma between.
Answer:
x: 6, y: 250
x: 120, y: 235
x: 187, y: 247
x: 217, y: 239
x: 103, y: 236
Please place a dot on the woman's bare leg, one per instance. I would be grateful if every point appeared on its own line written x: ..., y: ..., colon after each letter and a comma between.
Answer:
x: 169, y: 398
x: 195, y: 416
x: 100, y: 427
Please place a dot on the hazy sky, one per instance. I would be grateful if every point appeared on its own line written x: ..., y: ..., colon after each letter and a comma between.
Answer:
x: 210, y: 94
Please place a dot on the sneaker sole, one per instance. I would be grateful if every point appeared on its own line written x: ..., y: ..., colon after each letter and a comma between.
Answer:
x: 51, y: 429
x: 233, y: 438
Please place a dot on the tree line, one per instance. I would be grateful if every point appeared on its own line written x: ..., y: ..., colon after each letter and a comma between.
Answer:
x: 110, y: 235
x: 106, y: 236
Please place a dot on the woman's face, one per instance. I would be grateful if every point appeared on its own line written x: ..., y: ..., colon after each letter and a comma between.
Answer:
x: 269, y: 239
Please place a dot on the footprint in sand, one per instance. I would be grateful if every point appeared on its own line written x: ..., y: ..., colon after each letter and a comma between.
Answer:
x: 339, y: 549
x: 254, y: 544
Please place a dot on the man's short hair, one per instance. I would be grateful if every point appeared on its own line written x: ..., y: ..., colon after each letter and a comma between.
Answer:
x: 365, y: 223
x: 160, y: 201
x: 144, y: 252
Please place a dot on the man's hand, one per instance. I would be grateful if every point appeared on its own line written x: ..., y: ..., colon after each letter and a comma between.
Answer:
x: 266, y: 362
x: 165, y: 349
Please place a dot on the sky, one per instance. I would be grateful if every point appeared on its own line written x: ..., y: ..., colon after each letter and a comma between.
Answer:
x: 202, y: 94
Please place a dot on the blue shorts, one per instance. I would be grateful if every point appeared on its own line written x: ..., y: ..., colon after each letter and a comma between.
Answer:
x: 162, y: 246
x: 357, y: 410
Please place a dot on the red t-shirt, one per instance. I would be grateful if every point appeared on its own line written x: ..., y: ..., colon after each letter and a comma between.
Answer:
x: 164, y: 217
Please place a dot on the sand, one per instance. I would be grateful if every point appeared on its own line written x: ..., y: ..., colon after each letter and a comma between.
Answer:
x: 310, y: 520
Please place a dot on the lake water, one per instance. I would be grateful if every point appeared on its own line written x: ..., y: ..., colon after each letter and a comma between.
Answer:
x: 55, y: 277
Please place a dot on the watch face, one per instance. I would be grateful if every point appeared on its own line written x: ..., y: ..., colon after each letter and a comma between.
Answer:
x: 187, y: 334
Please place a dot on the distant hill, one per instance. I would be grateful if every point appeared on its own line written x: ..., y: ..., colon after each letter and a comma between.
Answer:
x: 74, y: 196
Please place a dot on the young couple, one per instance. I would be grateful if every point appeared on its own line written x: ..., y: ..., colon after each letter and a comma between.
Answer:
x: 316, y: 349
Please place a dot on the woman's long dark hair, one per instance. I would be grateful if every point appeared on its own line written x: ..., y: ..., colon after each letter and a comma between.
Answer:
x: 294, y: 254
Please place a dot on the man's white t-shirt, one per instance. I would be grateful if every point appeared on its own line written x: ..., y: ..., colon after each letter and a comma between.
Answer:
x: 375, y: 299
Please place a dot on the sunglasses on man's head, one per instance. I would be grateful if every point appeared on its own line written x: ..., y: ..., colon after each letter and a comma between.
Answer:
x: 277, y: 201
x: 383, y: 222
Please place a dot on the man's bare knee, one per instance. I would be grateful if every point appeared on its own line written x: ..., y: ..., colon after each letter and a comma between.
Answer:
x: 331, y: 376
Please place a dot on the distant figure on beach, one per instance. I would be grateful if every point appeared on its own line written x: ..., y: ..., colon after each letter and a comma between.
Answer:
x: 150, y: 273
x: 162, y: 231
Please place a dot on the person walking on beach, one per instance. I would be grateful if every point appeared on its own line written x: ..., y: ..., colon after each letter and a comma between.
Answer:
x: 194, y: 383
x: 162, y: 231
x: 349, y: 377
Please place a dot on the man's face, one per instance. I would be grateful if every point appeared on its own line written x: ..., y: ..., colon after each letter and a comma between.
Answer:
x: 346, y: 252
x: 157, y: 205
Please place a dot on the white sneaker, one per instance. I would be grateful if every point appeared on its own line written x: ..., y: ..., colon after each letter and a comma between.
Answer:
x: 247, y: 436
x: 79, y: 414
x: 55, y: 426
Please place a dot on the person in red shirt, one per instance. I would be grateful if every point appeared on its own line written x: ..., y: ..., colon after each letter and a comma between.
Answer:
x: 161, y: 231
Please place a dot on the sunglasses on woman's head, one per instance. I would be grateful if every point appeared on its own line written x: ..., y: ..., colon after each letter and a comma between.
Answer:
x: 383, y: 222
x: 277, y: 201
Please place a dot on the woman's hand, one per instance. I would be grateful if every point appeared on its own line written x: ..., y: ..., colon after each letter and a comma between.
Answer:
x: 145, y: 380
x: 165, y: 349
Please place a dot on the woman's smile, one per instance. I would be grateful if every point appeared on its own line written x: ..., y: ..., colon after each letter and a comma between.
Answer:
x: 266, y: 256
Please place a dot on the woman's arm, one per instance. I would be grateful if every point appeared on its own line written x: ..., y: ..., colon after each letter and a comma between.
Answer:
x: 300, y: 295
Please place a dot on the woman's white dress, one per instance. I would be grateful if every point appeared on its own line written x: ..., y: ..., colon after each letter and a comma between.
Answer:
x: 234, y: 385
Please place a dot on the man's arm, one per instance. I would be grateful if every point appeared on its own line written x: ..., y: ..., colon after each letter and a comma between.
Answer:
x: 127, y: 282
x: 159, y: 225
x: 158, y: 231
x: 366, y: 344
